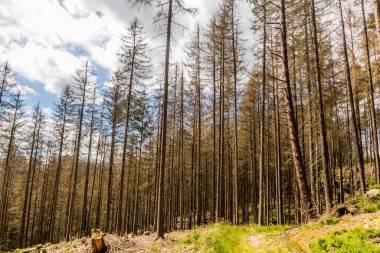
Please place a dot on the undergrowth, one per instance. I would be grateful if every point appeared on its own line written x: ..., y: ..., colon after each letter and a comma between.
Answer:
x: 368, y: 204
x: 193, y: 240
x: 354, y: 240
x: 223, y: 237
x: 328, y: 221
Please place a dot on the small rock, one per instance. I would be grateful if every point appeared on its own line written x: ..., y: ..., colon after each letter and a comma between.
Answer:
x: 147, y: 233
x: 372, y: 193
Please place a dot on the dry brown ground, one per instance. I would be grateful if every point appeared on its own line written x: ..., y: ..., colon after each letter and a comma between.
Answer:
x: 292, y: 240
x: 121, y: 244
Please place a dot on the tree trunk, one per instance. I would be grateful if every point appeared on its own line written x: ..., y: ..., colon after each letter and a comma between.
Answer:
x: 358, y: 145
x: 262, y: 124
x: 322, y: 122
x: 377, y: 17
x: 371, y: 97
x: 72, y: 193
x: 84, y: 225
x: 292, y: 124
x: 22, y: 229
x: 236, y: 148
x: 161, y: 182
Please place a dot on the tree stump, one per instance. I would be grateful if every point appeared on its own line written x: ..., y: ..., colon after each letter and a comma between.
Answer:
x: 341, y: 210
x: 97, y: 241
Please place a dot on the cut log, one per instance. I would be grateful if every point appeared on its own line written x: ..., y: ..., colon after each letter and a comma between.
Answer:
x: 97, y: 241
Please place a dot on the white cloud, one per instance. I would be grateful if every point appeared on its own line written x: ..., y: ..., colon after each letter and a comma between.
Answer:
x: 25, y: 90
x: 44, y: 40
x: 52, y: 67
x: 40, y: 39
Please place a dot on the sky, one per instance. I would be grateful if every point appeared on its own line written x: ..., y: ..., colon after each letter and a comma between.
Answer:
x: 45, y: 41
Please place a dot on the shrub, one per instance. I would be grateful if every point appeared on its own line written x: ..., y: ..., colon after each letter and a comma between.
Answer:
x: 193, y: 239
x: 370, y: 208
x: 369, y: 205
x: 154, y: 248
x: 329, y: 221
x: 354, y: 240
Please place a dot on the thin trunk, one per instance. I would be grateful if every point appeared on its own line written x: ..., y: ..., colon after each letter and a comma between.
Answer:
x: 57, y: 175
x: 72, y: 193
x: 262, y: 124
x: 84, y: 226
x: 161, y: 183
x: 199, y: 135
x: 22, y: 229
x: 358, y: 145
x: 371, y: 97
x: 119, y: 207
x: 236, y: 149
x: 322, y: 122
x: 138, y: 179
x: 292, y: 124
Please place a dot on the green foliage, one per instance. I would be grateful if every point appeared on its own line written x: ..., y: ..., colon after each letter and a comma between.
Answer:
x: 374, y: 186
x: 371, y: 183
x: 154, y: 248
x: 223, y: 237
x: 227, y: 238
x: 193, y: 240
x: 370, y: 205
x: 354, y: 240
x: 329, y: 221
x: 370, y: 208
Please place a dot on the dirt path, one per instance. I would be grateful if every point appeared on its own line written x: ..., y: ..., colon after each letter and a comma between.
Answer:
x: 119, y: 244
x: 292, y: 240
x: 269, y: 243
x: 256, y: 240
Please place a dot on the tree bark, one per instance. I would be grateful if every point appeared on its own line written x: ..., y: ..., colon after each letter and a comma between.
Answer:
x: 371, y: 96
x: 358, y: 145
x: 292, y: 124
x: 261, y: 220
x: 322, y: 122
x: 161, y: 182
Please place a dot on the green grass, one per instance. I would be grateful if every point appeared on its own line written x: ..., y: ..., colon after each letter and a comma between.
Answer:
x: 329, y: 221
x: 356, y: 240
x: 154, y: 248
x: 374, y: 185
x: 193, y: 240
x: 222, y: 237
x: 369, y: 205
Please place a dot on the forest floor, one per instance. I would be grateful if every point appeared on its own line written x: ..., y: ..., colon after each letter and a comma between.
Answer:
x: 359, y: 232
